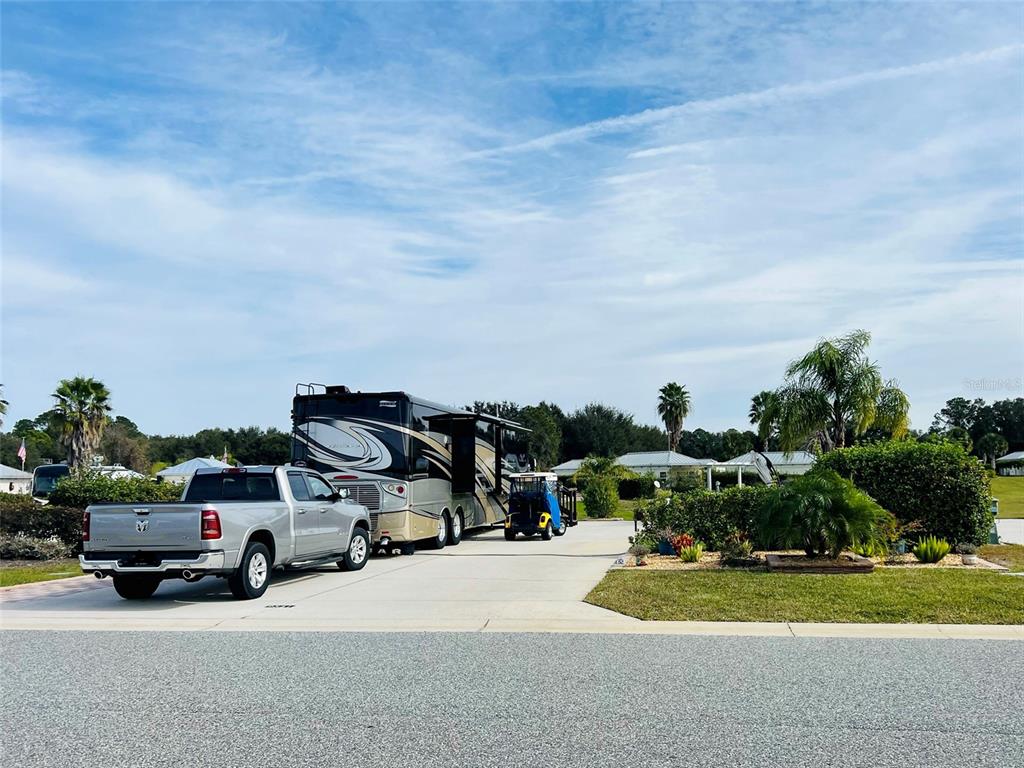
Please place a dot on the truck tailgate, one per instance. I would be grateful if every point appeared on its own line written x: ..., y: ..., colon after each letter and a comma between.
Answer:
x: 144, y: 526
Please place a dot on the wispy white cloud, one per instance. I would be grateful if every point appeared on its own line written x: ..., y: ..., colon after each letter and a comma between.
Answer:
x: 757, y: 99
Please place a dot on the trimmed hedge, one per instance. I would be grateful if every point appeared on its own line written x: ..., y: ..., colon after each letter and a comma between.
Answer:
x: 637, y: 487
x: 22, y: 547
x: 90, y: 488
x: 936, y: 484
x: 709, y: 516
x: 26, y: 518
x: 600, y: 496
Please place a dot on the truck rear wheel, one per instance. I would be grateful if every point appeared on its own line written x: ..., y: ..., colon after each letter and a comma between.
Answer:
x: 252, y: 577
x: 137, y: 587
x: 357, y: 552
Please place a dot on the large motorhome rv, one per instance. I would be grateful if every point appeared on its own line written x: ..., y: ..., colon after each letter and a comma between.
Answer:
x: 425, y: 471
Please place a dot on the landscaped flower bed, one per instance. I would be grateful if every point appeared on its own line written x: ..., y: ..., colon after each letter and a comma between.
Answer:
x: 713, y: 561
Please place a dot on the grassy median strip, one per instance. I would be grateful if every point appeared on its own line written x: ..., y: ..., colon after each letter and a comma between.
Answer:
x: 899, y: 597
x: 1007, y: 555
x: 20, y: 572
x: 1010, y: 492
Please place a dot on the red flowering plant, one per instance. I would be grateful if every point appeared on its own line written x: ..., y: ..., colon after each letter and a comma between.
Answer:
x: 681, y: 542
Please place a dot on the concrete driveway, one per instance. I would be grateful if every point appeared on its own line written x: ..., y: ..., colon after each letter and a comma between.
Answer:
x: 484, y: 583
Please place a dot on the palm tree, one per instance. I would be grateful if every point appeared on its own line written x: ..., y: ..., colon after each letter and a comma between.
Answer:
x: 673, y: 407
x: 760, y: 405
x: 81, y: 407
x: 832, y: 388
x: 991, y: 446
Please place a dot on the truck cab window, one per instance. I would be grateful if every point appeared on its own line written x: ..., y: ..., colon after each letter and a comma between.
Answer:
x: 298, y: 486
x: 321, y: 490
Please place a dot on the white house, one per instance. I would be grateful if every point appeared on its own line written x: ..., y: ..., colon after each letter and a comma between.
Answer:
x: 180, y: 473
x: 13, y: 480
x: 660, y: 463
x: 1011, y: 464
x: 567, y: 468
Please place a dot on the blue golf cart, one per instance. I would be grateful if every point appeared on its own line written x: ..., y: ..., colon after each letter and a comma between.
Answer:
x: 538, y: 504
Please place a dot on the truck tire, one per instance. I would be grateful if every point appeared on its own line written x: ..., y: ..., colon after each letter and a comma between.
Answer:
x: 455, y: 530
x: 136, y: 587
x: 252, y: 577
x: 358, y: 551
x: 441, y: 537
x: 546, y: 533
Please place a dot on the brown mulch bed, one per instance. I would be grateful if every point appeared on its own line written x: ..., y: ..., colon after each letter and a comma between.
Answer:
x: 712, y: 561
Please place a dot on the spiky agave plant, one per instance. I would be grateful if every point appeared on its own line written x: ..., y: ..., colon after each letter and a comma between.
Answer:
x: 823, y: 514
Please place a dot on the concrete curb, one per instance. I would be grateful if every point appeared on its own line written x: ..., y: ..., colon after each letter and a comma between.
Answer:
x: 12, y: 621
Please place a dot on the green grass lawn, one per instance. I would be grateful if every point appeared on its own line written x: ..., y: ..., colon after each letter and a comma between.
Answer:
x: 1007, y: 555
x: 625, y: 511
x: 886, y: 596
x: 1010, y: 492
x: 47, y: 570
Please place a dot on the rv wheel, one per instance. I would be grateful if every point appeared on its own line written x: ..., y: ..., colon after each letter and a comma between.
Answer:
x: 455, y: 531
x: 441, y: 535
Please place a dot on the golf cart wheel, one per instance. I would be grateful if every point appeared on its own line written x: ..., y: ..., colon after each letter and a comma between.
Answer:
x: 547, y: 532
x: 562, y: 528
x: 510, y: 535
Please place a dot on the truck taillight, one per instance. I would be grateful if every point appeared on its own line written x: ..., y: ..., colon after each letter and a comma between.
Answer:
x: 85, y: 526
x: 211, y: 525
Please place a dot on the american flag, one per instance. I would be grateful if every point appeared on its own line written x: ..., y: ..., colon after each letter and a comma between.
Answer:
x: 21, y: 452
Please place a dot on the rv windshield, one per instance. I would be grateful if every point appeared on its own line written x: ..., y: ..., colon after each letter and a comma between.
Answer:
x: 45, y: 478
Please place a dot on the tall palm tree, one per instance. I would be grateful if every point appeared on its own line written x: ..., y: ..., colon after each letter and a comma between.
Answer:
x: 673, y: 407
x: 760, y: 404
x: 81, y: 407
x: 832, y: 388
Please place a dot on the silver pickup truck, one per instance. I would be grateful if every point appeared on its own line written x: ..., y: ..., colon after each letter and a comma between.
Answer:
x: 237, y: 523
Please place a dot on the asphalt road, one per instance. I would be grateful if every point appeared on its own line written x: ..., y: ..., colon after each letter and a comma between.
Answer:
x: 475, y: 699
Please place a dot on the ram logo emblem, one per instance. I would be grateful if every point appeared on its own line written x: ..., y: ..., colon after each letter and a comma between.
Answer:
x: 142, y: 526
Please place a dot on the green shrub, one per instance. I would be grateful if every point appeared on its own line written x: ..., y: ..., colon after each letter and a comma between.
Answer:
x: 937, y: 484
x: 16, y: 502
x: 737, y: 549
x: 22, y: 547
x: 709, y: 516
x: 685, y: 479
x: 823, y: 514
x: 83, y: 489
x: 692, y: 553
x: 637, y: 487
x: 43, y: 521
x: 600, y: 496
x: 931, y: 549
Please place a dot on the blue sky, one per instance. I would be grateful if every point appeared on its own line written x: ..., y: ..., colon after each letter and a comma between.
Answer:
x: 203, y: 204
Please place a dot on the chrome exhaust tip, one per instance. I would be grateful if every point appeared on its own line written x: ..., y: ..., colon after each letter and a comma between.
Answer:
x: 99, y: 574
x: 186, y: 574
